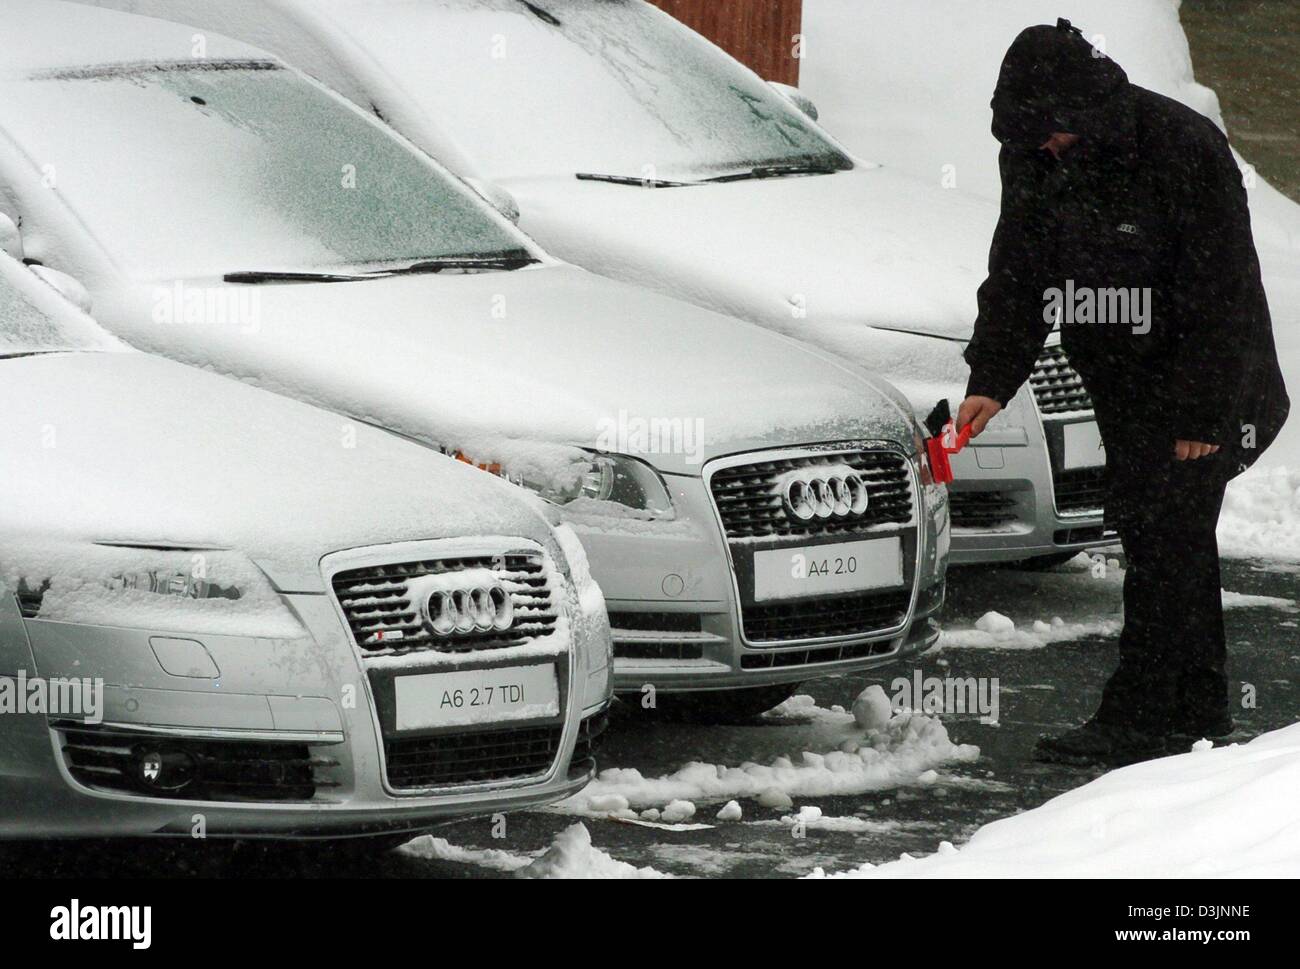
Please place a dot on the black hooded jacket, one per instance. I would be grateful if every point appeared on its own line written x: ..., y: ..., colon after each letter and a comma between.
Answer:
x: 1137, y: 240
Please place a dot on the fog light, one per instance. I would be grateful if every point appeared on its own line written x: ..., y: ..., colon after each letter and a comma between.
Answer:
x: 164, y: 770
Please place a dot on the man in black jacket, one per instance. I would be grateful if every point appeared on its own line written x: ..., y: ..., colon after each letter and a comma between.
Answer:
x: 1124, y: 220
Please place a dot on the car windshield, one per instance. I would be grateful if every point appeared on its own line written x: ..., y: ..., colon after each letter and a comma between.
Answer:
x: 28, y: 327
x: 186, y: 170
x: 614, y: 87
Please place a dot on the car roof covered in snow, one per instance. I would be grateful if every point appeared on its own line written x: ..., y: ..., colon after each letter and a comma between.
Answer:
x: 42, y: 36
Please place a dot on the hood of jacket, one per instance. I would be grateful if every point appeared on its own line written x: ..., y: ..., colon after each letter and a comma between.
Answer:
x: 1053, y: 79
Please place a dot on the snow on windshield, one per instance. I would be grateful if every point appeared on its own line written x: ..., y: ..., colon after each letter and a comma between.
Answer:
x: 185, y: 170
x: 607, y: 87
x: 30, y: 324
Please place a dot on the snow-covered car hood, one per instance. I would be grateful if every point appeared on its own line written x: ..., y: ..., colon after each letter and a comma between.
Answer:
x: 871, y: 245
x: 521, y: 368
x: 122, y: 447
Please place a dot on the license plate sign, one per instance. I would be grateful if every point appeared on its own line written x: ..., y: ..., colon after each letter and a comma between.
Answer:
x: 1083, y: 447
x: 818, y: 570
x: 473, y: 697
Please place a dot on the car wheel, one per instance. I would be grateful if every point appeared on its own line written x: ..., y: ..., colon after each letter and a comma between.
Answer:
x: 719, y: 706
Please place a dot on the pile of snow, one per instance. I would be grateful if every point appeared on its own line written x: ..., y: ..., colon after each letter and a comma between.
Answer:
x: 996, y: 631
x: 1261, y: 514
x: 570, y: 855
x: 1087, y: 589
x: 872, y: 709
x: 907, y: 746
x: 1212, y: 812
x: 810, y: 818
x: 730, y: 812
x: 429, y: 848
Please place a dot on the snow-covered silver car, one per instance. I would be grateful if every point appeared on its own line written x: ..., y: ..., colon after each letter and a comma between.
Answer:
x: 192, y: 576
x: 633, y: 147
x: 755, y: 510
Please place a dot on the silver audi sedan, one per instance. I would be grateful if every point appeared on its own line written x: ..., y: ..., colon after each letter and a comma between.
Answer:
x: 224, y: 613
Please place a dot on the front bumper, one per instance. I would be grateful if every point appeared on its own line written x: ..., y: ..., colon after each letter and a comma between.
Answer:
x: 1012, y: 499
x: 308, y: 698
x: 675, y: 596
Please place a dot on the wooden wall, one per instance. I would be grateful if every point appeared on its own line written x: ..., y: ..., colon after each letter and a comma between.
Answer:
x: 759, y: 33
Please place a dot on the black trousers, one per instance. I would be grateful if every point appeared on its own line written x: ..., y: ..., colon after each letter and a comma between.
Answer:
x: 1173, y: 652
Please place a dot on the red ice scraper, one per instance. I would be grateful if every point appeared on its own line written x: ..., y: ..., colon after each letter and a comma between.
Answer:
x: 943, y: 441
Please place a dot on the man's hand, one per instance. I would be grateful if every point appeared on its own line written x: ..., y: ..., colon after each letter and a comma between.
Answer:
x: 1191, y: 450
x: 977, y: 411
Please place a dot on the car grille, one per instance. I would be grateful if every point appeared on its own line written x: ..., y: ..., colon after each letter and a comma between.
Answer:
x: 1080, y: 490
x: 223, y: 770
x: 659, y: 635
x: 844, y: 615
x: 981, y: 509
x: 806, y: 657
x: 472, y: 757
x: 385, y: 621
x: 1057, y: 387
x: 750, y: 504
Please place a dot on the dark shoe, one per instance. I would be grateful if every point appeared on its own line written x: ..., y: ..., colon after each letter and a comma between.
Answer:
x: 1191, y: 730
x: 1198, y: 727
x: 1100, y: 744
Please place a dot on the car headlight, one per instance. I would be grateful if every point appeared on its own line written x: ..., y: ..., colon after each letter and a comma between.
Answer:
x: 180, y: 583
x: 922, y: 458
x: 935, y: 496
x: 187, y: 591
x: 604, y: 481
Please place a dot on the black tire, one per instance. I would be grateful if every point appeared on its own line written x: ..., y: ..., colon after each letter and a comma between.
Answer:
x: 718, y: 706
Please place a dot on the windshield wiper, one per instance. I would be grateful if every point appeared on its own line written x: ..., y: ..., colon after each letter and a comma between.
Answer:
x: 27, y: 353
x: 757, y: 172
x: 503, y: 262
x: 776, y: 171
x: 289, y: 276
x: 631, y: 180
x: 506, y: 260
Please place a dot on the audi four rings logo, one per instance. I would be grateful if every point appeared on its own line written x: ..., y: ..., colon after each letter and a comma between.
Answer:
x: 824, y: 494
x: 482, y: 608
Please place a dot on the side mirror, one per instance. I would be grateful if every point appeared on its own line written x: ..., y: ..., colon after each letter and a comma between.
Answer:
x: 497, y: 197
x: 11, y: 239
x: 68, y: 286
x: 798, y: 98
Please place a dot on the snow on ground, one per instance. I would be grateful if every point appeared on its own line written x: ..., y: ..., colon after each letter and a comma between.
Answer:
x: 1261, y: 514
x: 908, y: 746
x: 440, y: 849
x: 1212, y: 812
x: 570, y: 855
x: 996, y: 631
x: 1084, y: 600
x: 810, y: 818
